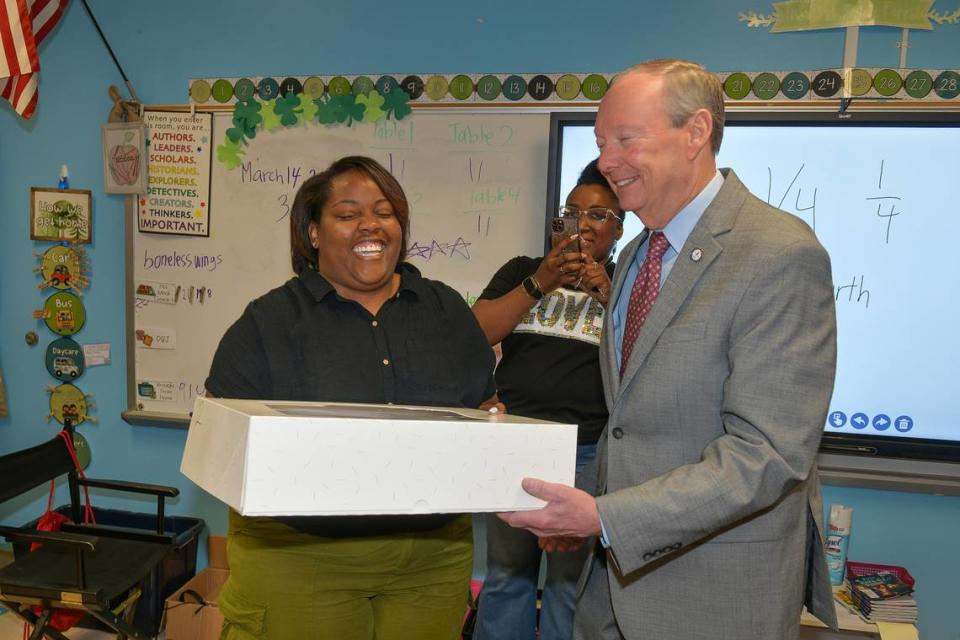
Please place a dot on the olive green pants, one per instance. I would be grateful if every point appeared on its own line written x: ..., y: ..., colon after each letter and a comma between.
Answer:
x: 289, y: 585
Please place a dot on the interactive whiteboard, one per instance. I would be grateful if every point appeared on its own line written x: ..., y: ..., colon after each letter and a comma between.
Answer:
x: 882, y: 196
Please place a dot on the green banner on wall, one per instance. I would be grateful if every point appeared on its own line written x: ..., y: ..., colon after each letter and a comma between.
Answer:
x: 805, y: 15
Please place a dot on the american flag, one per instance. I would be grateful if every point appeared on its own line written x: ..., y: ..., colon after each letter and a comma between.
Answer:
x: 23, y: 26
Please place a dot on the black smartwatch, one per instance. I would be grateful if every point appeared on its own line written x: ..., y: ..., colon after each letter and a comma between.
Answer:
x: 532, y: 287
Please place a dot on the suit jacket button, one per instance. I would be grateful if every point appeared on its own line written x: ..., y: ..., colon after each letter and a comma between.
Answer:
x: 617, y: 433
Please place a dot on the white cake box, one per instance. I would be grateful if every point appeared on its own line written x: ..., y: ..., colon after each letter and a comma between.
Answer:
x: 268, y: 458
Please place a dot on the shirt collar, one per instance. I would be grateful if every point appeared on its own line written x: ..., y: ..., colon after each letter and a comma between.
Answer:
x: 682, y: 224
x: 319, y: 287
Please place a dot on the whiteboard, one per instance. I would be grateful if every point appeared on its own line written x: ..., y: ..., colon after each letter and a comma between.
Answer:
x: 476, y: 182
x: 883, y: 201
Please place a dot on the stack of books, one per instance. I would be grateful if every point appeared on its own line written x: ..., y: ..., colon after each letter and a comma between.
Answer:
x: 880, y: 597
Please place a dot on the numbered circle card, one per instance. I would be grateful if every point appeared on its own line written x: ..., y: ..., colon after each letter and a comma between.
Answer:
x: 68, y: 402
x: 64, y: 313
x: 737, y: 86
x: 947, y: 85
x: 795, y: 85
x: 766, y: 86
x: 826, y: 84
x: 64, y: 359
x: 887, y: 82
x: 63, y: 268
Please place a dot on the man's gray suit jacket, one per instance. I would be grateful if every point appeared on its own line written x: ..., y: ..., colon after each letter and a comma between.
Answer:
x: 708, y: 487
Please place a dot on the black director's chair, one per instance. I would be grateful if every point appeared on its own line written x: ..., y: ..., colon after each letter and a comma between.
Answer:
x: 83, y: 566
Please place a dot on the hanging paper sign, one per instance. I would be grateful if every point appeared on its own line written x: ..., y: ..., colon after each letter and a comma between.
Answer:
x: 177, y: 200
x: 64, y: 313
x: 156, y: 390
x: 156, y: 338
x: 68, y: 402
x: 162, y: 292
x: 124, y: 157
x: 807, y: 15
x: 65, y: 359
x: 82, y: 447
x: 63, y: 268
x: 96, y: 355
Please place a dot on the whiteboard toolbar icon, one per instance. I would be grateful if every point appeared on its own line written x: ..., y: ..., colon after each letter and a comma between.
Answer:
x: 903, y: 424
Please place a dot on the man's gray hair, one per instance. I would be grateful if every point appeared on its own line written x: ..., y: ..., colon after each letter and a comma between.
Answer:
x: 688, y: 86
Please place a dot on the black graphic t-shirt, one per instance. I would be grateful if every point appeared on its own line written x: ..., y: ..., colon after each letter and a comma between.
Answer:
x: 550, y: 368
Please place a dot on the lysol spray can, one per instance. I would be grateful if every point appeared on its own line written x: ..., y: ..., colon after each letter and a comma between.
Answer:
x: 838, y: 537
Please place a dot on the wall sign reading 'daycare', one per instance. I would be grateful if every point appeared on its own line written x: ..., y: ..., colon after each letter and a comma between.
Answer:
x: 65, y: 359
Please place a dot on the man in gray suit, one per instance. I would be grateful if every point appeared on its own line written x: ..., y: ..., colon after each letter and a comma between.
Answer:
x: 718, y: 358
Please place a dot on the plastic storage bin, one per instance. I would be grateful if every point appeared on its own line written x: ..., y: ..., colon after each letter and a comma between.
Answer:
x: 174, y: 570
x: 856, y: 569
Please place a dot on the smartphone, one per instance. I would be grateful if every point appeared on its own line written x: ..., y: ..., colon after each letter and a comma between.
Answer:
x: 563, y: 228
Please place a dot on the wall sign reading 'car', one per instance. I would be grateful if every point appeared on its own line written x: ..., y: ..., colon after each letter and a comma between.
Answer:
x: 63, y: 268
x: 64, y: 359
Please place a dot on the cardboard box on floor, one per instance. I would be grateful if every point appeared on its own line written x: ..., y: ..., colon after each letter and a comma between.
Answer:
x: 190, y: 619
x: 269, y: 458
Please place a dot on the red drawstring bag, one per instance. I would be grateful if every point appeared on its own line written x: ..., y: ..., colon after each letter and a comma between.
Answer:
x: 62, y: 619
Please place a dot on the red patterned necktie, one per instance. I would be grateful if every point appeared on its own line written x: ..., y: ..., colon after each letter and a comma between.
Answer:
x: 643, y: 295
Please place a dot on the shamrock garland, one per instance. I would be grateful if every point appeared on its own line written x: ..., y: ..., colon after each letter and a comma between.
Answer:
x: 250, y: 114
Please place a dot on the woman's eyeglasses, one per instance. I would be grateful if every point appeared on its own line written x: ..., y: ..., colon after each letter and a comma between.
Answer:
x: 596, y: 215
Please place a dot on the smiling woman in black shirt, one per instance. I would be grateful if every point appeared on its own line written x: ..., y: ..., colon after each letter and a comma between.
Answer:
x: 355, y: 325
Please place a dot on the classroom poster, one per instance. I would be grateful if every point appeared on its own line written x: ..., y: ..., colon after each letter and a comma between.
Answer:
x: 177, y: 200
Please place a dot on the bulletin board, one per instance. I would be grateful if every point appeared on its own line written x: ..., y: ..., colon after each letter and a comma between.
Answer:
x: 475, y: 179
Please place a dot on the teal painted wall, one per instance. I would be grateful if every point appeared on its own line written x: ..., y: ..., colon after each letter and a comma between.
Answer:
x: 163, y: 44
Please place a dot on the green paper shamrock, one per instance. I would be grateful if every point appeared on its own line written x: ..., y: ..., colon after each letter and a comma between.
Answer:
x: 372, y: 101
x: 234, y: 135
x: 395, y: 103
x: 308, y: 107
x: 271, y: 119
x: 246, y: 118
x: 287, y: 108
x: 342, y: 109
x: 229, y: 154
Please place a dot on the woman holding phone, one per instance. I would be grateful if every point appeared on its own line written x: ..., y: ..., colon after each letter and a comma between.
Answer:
x: 548, y: 314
